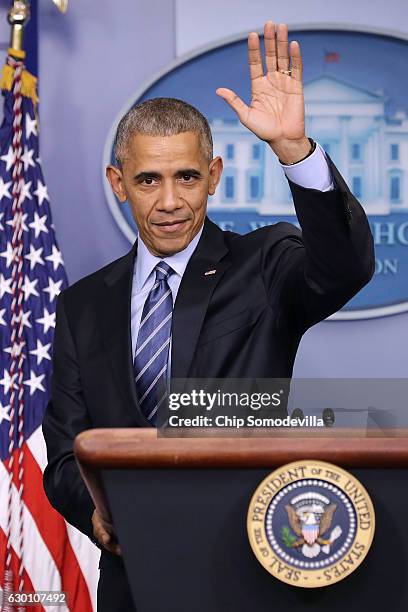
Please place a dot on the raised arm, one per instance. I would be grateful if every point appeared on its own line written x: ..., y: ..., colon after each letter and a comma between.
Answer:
x: 316, y: 271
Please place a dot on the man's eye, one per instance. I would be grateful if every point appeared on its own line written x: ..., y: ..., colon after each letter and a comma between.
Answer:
x: 148, y: 180
x: 187, y: 177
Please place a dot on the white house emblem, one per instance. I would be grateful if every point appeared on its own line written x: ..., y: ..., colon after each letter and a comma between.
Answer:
x: 358, y: 116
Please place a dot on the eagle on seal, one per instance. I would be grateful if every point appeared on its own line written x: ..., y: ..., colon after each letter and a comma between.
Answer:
x: 308, y: 527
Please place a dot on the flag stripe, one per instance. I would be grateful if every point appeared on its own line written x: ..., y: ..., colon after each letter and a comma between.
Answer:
x: 51, y: 527
x: 37, y: 559
x: 14, y: 564
x: 87, y: 554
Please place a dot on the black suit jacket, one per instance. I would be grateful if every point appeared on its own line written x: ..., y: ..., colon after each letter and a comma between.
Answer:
x: 244, y: 321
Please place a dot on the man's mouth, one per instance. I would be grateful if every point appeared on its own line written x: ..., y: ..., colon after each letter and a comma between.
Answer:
x: 171, y: 226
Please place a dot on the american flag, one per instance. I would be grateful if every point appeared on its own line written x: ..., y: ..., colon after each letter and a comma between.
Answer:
x: 331, y: 57
x: 38, y: 549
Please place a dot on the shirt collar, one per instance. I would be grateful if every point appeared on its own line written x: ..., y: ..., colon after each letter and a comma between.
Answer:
x: 145, y: 262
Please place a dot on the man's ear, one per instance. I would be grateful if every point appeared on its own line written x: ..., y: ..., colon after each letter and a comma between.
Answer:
x: 115, y: 178
x: 215, y: 170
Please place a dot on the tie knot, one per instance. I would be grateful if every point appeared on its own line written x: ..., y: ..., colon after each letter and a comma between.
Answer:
x: 163, y: 271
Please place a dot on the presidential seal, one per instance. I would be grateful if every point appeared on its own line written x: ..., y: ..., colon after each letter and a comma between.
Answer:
x: 310, y: 523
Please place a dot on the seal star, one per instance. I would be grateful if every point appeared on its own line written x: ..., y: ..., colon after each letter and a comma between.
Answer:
x: 2, y: 321
x: 34, y: 382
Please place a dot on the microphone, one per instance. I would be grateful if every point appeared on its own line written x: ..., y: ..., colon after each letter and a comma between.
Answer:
x: 328, y: 417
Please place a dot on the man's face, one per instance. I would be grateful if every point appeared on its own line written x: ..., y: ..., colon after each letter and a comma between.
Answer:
x: 166, y: 180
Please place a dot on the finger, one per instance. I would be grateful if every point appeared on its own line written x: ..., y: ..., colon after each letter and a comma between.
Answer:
x: 108, y: 541
x: 270, y: 46
x: 112, y: 547
x: 234, y: 101
x: 254, y: 56
x: 296, y: 58
x: 102, y: 525
x: 102, y: 533
x: 282, y: 46
x: 104, y: 537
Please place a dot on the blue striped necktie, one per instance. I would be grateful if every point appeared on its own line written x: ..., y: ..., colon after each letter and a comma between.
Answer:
x: 152, y: 347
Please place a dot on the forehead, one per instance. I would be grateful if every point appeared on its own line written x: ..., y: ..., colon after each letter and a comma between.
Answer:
x: 153, y: 151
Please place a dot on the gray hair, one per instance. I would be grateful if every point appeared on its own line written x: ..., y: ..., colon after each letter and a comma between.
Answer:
x: 162, y: 117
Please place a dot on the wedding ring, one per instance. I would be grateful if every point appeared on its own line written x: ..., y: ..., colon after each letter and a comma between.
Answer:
x: 288, y: 72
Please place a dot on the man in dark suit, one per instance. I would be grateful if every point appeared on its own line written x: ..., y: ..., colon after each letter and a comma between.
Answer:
x: 189, y: 299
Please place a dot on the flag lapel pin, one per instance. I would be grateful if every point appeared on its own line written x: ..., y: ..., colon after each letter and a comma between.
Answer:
x: 209, y: 272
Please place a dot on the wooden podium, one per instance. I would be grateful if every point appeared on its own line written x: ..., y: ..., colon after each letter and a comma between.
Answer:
x: 179, y: 507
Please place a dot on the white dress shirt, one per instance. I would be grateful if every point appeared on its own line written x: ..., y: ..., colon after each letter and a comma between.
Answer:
x: 312, y: 173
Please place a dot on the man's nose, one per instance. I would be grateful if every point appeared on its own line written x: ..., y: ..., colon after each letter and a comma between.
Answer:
x: 169, y: 198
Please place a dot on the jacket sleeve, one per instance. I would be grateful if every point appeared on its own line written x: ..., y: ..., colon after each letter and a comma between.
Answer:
x: 66, y: 416
x: 317, y: 270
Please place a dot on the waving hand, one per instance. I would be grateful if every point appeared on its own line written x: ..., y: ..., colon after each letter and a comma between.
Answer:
x: 276, y: 111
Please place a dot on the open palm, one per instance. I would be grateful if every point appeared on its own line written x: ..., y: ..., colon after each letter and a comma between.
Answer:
x: 276, y: 111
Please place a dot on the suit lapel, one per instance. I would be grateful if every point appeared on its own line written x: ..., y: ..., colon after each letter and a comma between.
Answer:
x: 190, y: 308
x: 116, y: 331
x: 194, y: 295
